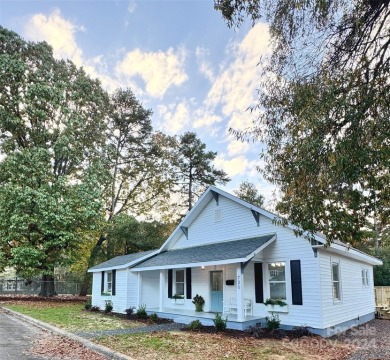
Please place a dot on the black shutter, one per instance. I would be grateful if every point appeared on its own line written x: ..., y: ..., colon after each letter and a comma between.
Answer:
x: 170, y: 283
x: 188, y: 283
x: 296, y: 282
x: 113, y: 282
x: 259, y: 283
x: 102, y: 283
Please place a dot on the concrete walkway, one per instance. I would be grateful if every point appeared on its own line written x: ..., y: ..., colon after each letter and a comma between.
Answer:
x: 16, y: 338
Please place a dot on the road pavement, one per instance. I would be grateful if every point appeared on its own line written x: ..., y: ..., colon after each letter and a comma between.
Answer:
x: 16, y: 338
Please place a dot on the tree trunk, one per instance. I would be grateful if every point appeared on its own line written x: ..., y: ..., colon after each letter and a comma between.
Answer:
x: 47, y: 286
x: 91, y: 262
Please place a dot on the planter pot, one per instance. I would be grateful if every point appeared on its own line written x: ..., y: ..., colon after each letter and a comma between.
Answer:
x: 277, y: 308
x: 199, y: 308
x: 177, y: 301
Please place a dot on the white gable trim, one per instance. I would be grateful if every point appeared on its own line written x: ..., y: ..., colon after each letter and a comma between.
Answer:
x: 206, y: 197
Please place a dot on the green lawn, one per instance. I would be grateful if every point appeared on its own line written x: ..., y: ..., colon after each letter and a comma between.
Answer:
x: 72, y: 317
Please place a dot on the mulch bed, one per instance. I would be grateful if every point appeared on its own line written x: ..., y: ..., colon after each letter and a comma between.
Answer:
x: 257, y: 332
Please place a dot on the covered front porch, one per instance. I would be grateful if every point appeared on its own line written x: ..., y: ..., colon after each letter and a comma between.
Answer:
x: 186, y: 316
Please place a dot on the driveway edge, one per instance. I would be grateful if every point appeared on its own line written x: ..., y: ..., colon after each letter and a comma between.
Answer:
x: 88, y: 344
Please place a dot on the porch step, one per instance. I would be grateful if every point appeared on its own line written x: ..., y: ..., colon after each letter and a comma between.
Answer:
x: 188, y: 319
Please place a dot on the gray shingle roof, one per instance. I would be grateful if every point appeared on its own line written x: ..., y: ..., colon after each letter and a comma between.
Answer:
x: 121, y: 260
x: 237, y: 249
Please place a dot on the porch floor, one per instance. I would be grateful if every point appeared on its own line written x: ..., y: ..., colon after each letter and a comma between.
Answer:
x: 186, y: 316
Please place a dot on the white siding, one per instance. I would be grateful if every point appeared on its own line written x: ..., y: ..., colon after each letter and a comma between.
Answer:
x: 356, y: 300
x: 150, y: 289
x: 119, y: 300
x: 96, y: 289
x: 237, y: 223
x: 132, y: 290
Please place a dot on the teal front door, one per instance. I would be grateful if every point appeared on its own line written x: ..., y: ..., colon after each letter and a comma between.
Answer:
x: 216, y: 280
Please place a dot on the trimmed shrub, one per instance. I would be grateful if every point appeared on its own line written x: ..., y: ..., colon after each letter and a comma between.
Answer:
x: 195, y: 325
x: 219, y: 322
x: 88, y: 305
x: 95, y: 309
x: 154, y: 317
x: 141, y: 312
x: 108, y: 307
x: 273, y: 321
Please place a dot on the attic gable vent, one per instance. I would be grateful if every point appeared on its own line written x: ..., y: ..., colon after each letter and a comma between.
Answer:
x: 218, y: 215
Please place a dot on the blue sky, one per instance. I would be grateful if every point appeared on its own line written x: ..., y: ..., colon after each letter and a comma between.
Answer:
x: 179, y: 58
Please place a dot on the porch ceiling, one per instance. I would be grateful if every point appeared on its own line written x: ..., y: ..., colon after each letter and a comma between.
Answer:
x: 211, y: 254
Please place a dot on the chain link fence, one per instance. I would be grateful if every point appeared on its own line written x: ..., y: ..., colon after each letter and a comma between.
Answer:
x: 32, y: 287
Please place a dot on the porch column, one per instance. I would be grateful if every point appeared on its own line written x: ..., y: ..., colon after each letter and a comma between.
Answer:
x: 139, y: 276
x: 162, y: 285
x: 240, y: 293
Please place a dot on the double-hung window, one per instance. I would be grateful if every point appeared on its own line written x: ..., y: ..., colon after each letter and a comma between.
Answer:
x: 109, y: 282
x: 365, y: 277
x: 336, y: 280
x: 277, y: 280
x: 180, y: 282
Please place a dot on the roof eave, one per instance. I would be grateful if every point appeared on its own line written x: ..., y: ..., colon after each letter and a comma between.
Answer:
x: 186, y: 265
x: 124, y: 266
x: 351, y: 253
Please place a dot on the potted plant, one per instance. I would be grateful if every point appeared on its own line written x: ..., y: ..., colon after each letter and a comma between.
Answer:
x: 277, y: 305
x: 199, y: 302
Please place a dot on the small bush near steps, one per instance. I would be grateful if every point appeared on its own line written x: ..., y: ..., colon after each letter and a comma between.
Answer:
x: 195, y: 325
x: 219, y: 322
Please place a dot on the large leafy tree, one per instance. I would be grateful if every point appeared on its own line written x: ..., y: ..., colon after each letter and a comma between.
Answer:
x: 195, y: 167
x: 128, y: 235
x: 324, y: 102
x: 247, y: 191
x: 138, y: 170
x: 52, y: 132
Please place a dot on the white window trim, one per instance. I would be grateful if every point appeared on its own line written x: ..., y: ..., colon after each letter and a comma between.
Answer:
x: 336, y: 300
x: 286, y: 274
x: 365, y: 278
x: 107, y: 290
x: 184, y: 282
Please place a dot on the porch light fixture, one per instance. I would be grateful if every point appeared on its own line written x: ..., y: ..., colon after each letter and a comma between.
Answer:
x: 202, y: 267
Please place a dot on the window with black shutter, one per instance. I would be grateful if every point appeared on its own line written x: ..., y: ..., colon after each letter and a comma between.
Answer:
x: 296, y: 282
x: 259, y: 291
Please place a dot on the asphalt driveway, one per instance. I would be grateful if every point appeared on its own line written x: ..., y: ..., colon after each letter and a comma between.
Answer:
x: 16, y: 338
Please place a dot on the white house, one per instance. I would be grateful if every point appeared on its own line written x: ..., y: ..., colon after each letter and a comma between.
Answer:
x: 236, y: 256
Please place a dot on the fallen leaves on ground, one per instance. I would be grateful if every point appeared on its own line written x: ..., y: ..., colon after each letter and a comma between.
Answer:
x: 56, y: 347
x: 197, y: 346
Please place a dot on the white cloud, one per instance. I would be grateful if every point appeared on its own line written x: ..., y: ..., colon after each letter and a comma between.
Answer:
x: 174, y: 117
x: 132, y: 6
x: 204, y: 118
x: 234, y: 89
x: 204, y: 66
x: 58, y: 32
x: 232, y: 167
x: 237, y: 148
x: 159, y: 70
